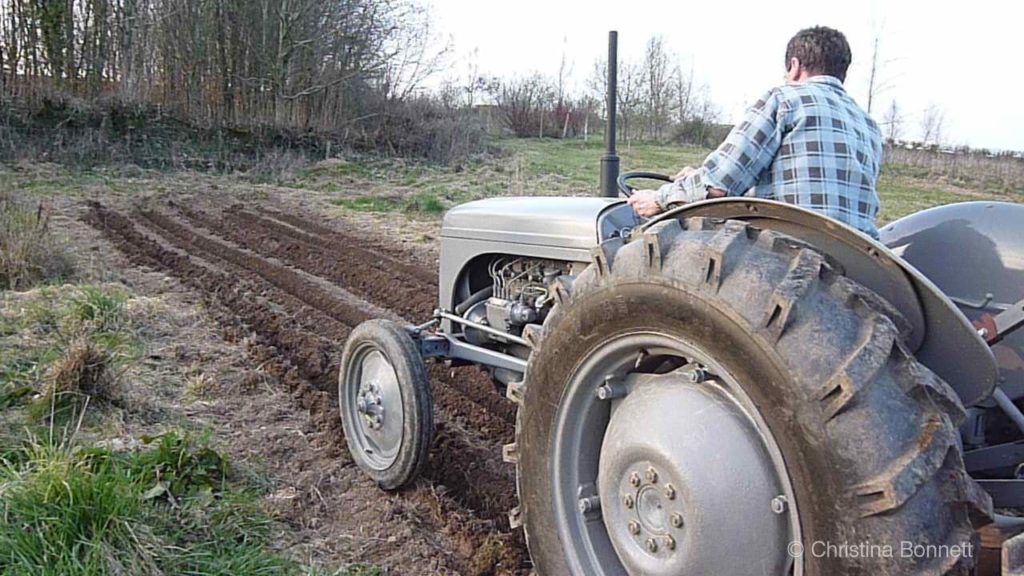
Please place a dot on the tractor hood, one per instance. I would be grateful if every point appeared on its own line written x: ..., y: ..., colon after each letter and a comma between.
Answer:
x: 558, y: 222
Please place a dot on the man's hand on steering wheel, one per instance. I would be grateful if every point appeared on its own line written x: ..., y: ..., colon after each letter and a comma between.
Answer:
x: 644, y: 203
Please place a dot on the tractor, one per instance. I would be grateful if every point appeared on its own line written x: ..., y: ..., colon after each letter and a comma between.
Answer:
x: 734, y: 387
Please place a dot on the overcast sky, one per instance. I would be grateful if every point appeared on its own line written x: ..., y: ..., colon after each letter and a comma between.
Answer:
x: 966, y: 60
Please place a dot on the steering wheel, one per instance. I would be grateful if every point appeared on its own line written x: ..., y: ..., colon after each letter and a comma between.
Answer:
x: 628, y: 190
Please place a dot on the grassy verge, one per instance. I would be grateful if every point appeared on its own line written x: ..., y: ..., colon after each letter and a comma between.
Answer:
x: 69, y: 503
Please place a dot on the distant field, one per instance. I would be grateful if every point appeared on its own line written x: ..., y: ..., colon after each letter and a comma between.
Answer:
x: 373, y: 186
x: 551, y: 167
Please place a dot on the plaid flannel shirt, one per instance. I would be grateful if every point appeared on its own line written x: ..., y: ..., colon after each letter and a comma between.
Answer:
x: 808, y: 144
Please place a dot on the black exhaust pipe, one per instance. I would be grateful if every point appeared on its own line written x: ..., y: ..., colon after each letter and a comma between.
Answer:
x: 610, y: 160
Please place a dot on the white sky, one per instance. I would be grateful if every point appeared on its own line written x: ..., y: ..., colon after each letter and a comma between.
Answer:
x: 963, y: 57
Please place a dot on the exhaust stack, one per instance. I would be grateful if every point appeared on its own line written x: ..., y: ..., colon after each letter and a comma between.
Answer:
x: 610, y: 159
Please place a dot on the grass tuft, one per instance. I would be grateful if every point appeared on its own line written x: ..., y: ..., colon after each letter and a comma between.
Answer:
x: 29, y: 253
x: 85, y: 368
x: 103, y: 307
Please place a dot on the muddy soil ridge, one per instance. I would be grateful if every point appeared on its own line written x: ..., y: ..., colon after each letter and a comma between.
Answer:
x: 269, y: 273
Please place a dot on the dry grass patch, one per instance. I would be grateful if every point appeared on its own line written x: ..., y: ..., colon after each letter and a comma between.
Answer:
x: 29, y: 252
x: 84, y: 368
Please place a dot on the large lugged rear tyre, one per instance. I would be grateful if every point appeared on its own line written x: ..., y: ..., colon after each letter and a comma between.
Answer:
x: 858, y: 438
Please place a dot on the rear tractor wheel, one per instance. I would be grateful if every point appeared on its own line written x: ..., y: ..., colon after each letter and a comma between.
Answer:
x: 716, y: 399
x: 385, y: 402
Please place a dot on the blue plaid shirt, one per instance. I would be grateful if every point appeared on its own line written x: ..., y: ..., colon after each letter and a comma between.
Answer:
x: 808, y: 144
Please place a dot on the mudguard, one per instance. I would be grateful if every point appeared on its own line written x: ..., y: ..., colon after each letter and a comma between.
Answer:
x: 974, y: 253
x: 942, y: 337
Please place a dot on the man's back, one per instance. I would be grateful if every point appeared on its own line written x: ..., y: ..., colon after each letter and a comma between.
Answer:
x: 807, y: 143
x: 829, y: 151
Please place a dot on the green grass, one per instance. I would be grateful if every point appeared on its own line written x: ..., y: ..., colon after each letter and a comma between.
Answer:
x: 901, y: 195
x: 170, y: 508
x: 528, y: 167
x: 520, y: 168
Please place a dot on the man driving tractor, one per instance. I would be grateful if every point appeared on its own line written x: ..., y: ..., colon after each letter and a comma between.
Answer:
x: 805, y: 142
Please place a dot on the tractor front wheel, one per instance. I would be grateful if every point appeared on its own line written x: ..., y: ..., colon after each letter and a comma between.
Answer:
x: 385, y: 403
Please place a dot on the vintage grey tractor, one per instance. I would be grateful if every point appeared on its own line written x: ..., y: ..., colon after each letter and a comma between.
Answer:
x: 735, y: 387
x: 701, y: 390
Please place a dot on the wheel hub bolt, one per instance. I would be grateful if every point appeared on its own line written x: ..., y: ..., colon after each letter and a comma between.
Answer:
x: 634, y: 479
x: 628, y: 501
x: 589, y: 505
x: 634, y: 527
x: 652, y: 475
x: 670, y: 492
x: 669, y: 542
x: 652, y: 545
x: 676, y: 519
x: 779, y: 504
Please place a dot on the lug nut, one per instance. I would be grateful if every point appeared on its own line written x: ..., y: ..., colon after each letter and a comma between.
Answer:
x: 634, y: 527
x: 611, y: 389
x: 628, y: 501
x: 652, y: 475
x: 589, y: 505
x: 669, y: 542
x: 697, y: 376
x: 634, y: 479
x: 779, y: 504
x: 670, y: 492
x: 676, y: 519
x: 652, y: 546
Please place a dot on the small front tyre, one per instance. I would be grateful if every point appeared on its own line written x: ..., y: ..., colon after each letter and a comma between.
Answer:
x: 385, y: 403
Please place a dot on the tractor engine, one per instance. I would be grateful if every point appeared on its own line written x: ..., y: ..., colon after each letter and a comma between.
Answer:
x: 519, y: 294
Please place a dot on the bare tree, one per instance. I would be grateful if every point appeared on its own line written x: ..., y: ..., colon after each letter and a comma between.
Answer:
x: 932, y: 120
x: 877, y: 84
x: 873, y: 75
x: 892, y: 122
x: 684, y: 94
x: 658, y: 90
x: 522, y: 103
x: 630, y: 98
x: 295, y: 63
x: 596, y: 85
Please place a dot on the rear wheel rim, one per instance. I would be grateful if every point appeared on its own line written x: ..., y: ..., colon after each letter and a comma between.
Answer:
x: 616, y: 525
x: 374, y: 406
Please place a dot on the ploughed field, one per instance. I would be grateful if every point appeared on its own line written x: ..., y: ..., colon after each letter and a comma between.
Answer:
x: 297, y: 284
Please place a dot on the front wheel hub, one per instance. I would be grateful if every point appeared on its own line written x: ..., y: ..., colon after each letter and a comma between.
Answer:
x: 377, y: 408
x: 691, y: 482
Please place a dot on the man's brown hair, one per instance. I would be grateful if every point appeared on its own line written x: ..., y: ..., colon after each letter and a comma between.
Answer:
x: 821, y: 50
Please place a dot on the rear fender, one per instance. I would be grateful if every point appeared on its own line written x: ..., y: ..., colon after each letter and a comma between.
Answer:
x: 941, y: 337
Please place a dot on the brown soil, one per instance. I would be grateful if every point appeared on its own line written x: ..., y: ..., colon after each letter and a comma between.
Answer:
x: 299, y: 285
